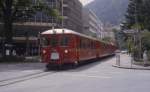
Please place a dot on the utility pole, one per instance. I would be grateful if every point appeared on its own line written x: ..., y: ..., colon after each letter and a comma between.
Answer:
x: 62, y: 13
x: 39, y: 42
x: 3, y: 43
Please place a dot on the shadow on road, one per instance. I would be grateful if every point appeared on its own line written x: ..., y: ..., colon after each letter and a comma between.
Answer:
x: 40, y: 66
x: 82, y: 66
x: 21, y: 67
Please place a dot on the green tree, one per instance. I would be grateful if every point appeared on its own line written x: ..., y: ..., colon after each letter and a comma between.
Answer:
x: 120, y: 38
x: 138, y: 13
x: 146, y: 10
x: 15, y: 10
x: 130, y: 45
x: 134, y: 13
x: 146, y: 41
x: 107, y: 39
x: 18, y: 11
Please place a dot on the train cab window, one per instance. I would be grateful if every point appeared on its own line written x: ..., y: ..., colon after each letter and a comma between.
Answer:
x: 53, y: 41
x: 64, y: 41
x: 45, y: 41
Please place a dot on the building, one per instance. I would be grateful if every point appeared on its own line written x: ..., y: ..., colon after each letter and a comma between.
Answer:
x: 26, y: 33
x: 108, y: 32
x: 91, y: 23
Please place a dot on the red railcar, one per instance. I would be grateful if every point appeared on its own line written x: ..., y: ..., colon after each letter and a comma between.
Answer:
x: 64, y: 46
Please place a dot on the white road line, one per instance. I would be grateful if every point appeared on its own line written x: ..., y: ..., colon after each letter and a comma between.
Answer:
x: 87, y: 76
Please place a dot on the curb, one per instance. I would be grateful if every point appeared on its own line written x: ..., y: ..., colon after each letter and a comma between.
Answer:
x: 136, y: 68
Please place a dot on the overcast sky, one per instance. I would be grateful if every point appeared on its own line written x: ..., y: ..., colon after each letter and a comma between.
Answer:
x: 86, y: 1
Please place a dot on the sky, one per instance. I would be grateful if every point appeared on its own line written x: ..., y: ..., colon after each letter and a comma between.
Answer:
x: 84, y: 2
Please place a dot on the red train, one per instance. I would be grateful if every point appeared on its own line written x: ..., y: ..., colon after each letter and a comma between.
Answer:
x: 64, y: 46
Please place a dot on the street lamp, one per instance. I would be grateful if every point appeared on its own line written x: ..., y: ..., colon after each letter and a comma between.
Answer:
x: 62, y: 11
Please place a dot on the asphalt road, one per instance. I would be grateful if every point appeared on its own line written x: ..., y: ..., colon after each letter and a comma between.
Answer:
x: 94, y: 77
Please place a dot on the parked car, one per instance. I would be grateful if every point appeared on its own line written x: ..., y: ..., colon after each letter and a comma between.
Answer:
x: 124, y: 51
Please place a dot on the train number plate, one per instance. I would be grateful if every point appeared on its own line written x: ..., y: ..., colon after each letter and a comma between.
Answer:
x: 54, y: 56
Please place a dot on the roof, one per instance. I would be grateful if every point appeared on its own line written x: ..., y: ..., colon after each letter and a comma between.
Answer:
x: 65, y: 31
x: 59, y: 31
x: 68, y: 31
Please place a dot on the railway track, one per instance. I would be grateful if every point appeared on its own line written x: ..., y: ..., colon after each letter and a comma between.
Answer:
x: 24, y: 78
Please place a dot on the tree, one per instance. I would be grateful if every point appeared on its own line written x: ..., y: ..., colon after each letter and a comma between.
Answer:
x: 130, y: 45
x: 138, y: 13
x: 138, y: 18
x: 107, y: 39
x: 120, y: 38
x: 146, y: 41
x: 19, y: 10
x: 146, y: 9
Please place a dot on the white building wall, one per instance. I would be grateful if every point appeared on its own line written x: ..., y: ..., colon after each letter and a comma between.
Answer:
x: 92, y: 24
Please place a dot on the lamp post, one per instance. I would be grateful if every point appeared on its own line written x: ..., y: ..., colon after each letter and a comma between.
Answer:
x: 39, y: 42
x: 27, y: 43
x: 62, y: 13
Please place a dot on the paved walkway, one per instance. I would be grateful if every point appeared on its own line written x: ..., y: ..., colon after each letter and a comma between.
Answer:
x: 125, y: 62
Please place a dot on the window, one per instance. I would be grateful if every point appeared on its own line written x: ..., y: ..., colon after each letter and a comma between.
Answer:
x: 45, y: 41
x: 64, y: 41
x: 53, y: 41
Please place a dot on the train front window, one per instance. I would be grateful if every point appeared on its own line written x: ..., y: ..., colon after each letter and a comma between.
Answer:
x: 53, y: 41
x: 64, y: 41
x: 45, y: 41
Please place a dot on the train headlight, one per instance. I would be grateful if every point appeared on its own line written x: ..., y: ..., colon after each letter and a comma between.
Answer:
x: 66, y: 51
x: 44, y: 51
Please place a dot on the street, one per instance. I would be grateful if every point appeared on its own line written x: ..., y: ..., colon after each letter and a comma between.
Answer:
x: 94, y: 77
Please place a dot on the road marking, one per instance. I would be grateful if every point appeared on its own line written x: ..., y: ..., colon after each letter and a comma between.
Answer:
x: 87, y: 76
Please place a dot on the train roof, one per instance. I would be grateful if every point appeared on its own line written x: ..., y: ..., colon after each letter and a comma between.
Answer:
x: 68, y: 31
x: 59, y: 31
x: 65, y: 31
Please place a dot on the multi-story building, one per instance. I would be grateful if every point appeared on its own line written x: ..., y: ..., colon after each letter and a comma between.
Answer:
x: 108, y: 33
x: 91, y: 23
x: 72, y: 12
x: 25, y: 33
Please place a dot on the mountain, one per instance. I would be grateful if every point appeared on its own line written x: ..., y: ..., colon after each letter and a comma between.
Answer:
x: 109, y: 11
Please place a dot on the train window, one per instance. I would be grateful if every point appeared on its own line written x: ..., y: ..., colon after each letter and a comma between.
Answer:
x: 53, y: 41
x: 45, y: 41
x: 64, y: 41
x: 80, y: 43
x: 104, y: 45
x: 83, y: 44
x: 92, y: 45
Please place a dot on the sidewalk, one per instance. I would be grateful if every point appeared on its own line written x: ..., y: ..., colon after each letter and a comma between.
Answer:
x: 33, y: 59
x: 125, y: 63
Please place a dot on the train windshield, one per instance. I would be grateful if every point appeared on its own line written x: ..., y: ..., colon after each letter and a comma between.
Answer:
x: 45, y: 41
x: 64, y: 41
x: 54, y: 41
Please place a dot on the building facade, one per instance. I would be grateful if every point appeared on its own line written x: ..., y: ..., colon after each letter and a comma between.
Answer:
x: 108, y: 32
x: 26, y: 33
x: 91, y: 23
